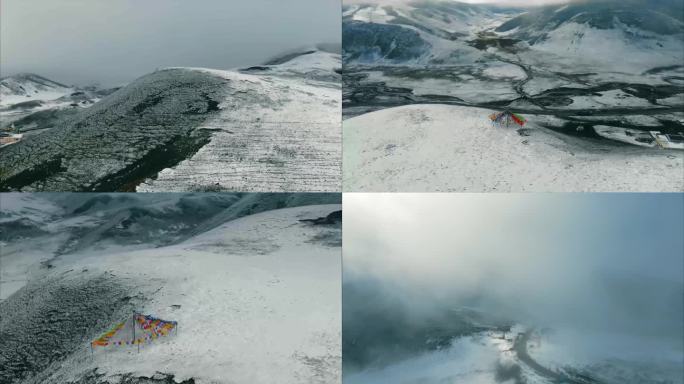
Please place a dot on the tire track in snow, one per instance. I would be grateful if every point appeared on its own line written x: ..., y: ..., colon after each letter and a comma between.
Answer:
x: 520, y: 348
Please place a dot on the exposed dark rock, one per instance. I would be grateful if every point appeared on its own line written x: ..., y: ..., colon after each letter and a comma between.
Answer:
x: 44, y: 322
x: 332, y: 219
x: 145, y: 127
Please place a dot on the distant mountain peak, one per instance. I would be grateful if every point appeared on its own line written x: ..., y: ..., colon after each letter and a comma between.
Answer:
x: 30, y: 86
x: 34, y: 78
x: 284, y: 58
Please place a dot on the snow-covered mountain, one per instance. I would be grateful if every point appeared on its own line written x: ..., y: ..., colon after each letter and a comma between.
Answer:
x: 639, y: 33
x: 266, y: 128
x: 434, y: 32
x: 255, y: 292
x: 30, y: 102
x: 28, y: 87
x: 629, y: 16
x: 597, y: 72
x: 74, y: 222
x: 421, y: 148
x: 417, y: 32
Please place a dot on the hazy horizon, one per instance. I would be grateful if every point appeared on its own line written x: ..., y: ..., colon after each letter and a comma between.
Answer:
x: 592, y: 263
x: 82, y: 42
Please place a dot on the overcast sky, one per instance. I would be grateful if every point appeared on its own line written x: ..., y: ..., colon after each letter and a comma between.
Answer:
x: 501, y: 2
x: 114, y: 42
x: 599, y: 261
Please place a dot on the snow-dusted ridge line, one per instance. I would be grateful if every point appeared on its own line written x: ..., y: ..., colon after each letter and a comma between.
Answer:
x: 28, y: 86
x: 36, y: 230
x: 279, y: 126
x: 292, y: 147
x: 263, y: 285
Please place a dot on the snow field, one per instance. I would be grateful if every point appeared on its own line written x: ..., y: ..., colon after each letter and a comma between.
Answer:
x: 255, y: 299
x: 421, y: 148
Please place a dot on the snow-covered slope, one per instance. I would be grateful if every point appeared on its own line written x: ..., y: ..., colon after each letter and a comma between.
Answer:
x: 642, y: 34
x: 286, y: 138
x: 471, y: 359
x: 663, y: 18
x: 312, y: 64
x: 534, y: 357
x: 28, y: 87
x: 418, y: 32
x: 30, y: 103
x: 40, y: 227
x: 267, y: 128
x: 589, y: 69
x: 609, y: 357
x: 256, y: 298
x: 423, y: 148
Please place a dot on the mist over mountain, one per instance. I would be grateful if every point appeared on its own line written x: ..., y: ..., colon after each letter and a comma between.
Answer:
x: 595, y: 283
x: 68, y: 42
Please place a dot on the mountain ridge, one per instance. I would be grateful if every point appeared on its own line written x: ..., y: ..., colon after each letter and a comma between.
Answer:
x: 165, y: 117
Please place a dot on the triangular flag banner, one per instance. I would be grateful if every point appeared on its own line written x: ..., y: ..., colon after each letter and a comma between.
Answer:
x: 137, y: 330
x: 504, y: 118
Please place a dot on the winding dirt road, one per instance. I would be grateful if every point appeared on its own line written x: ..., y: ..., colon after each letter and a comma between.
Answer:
x: 520, y: 348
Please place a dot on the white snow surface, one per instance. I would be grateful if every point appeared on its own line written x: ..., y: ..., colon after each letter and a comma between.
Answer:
x: 430, y: 148
x: 459, y: 21
x: 625, y: 135
x: 672, y: 101
x: 17, y: 89
x: 324, y: 62
x: 601, y: 47
x: 371, y: 14
x: 505, y: 71
x: 25, y: 205
x: 571, y: 47
x: 608, y: 99
x: 18, y: 262
x: 292, y: 143
x: 470, y: 359
x: 259, y: 300
x: 615, y: 357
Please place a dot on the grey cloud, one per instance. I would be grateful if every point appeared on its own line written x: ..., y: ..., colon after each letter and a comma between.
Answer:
x: 596, y: 263
x: 113, y: 42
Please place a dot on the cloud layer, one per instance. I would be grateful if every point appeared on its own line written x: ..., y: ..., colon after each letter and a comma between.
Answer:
x: 112, y: 42
x: 600, y: 262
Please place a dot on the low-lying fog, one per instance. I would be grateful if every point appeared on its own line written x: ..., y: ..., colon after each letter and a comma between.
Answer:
x: 603, y: 270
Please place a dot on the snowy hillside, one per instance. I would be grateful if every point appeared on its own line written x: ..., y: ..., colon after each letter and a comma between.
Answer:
x: 30, y: 103
x: 544, y: 55
x: 196, y: 129
x: 452, y: 33
x: 659, y: 18
x: 599, y: 31
x: 449, y: 148
x: 533, y: 357
x: 418, y: 32
x: 28, y: 87
x: 590, y: 76
x: 60, y: 224
x: 255, y: 298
